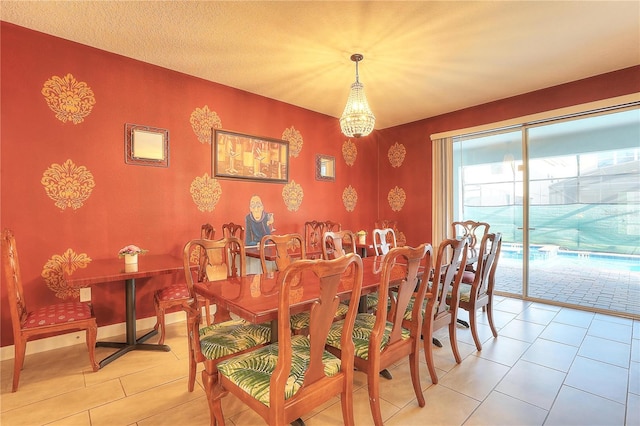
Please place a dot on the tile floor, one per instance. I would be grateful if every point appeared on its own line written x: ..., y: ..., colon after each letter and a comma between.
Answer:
x: 549, y: 365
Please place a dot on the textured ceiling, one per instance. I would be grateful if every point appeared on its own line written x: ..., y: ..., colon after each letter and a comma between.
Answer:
x: 421, y: 59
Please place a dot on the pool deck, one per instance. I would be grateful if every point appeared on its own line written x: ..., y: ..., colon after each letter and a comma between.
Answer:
x: 574, y: 283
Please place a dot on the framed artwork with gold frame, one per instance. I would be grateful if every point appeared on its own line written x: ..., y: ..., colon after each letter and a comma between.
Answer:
x: 246, y: 157
x: 146, y: 146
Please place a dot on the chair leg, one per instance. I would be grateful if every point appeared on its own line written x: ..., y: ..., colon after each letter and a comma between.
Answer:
x: 20, y: 346
x: 414, y: 366
x: 214, y: 397
x: 490, y: 317
x: 92, y: 335
x: 453, y: 339
x: 427, y: 338
x: 373, y: 380
x: 160, y: 324
x: 346, y: 398
x: 193, y: 366
x: 474, y: 330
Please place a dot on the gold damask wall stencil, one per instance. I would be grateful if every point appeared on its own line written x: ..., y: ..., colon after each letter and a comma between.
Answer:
x: 70, y: 99
x: 396, y: 198
x: 396, y: 154
x: 349, y: 152
x: 349, y: 198
x: 67, y: 184
x: 205, y: 192
x: 202, y: 121
x: 292, y: 195
x: 53, y: 272
x: 294, y: 138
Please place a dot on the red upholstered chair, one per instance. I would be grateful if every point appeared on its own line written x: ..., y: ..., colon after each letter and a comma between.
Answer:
x: 176, y: 294
x: 47, y: 320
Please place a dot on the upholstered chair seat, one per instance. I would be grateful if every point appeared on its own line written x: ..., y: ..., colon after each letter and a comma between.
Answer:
x: 58, y: 314
x: 232, y: 337
x: 301, y: 320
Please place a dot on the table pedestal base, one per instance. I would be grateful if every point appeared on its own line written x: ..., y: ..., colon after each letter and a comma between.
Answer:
x: 124, y: 347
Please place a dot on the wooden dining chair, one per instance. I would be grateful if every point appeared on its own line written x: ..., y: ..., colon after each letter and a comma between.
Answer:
x: 233, y: 230
x: 44, y: 321
x: 216, y: 342
x: 439, y: 310
x: 384, y: 239
x: 175, y: 295
x: 332, y: 226
x: 313, y: 231
x: 479, y: 294
x: 473, y: 231
x: 287, y: 379
x: 380, y: 339
x: 332, y: 248
x: 285, y: 248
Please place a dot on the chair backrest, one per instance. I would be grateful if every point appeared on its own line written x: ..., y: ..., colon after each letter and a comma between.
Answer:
x: 313, y: 235
x: 233, y: 230
x: 404, y: 264
x: 384, y: 240
x: 286, y: 247
x: 213, y: 263
x: 484, y: 278
x: 447, y: 275
x: 344, y: 272
x: 332, y: 226
x: 337, y: 244
x: 207, y: 232
x: 13, y: 280
x: 472, y: 230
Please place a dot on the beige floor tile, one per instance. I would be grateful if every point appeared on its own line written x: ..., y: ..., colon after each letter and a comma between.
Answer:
x: 564, y: 333
x: 611, y: 330
x: 80, y: 419
x: 599, y: 378
x: 65, y: 405
x: 504, y: 350
x: 443, y: 407
x: 633, y: 410
x: 532, y: 383
x: 576, y: 407
x: 522, y: 330
x: 168, y: 371
x: 537, y: 314
x: 475, y: 377
x: 551, y: 354
x: 192, y: 413
x: 501, y: 409
x: 605, y: 350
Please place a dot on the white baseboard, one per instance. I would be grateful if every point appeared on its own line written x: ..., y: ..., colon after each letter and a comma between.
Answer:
x: 70, y: 339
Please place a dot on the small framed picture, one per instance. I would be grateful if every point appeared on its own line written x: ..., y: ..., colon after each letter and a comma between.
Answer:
x: 146, y: 146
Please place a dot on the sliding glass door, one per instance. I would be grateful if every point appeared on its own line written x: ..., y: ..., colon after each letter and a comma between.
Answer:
x: 565, y: 194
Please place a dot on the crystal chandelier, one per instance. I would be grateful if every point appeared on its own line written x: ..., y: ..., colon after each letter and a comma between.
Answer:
x: 357, y: 119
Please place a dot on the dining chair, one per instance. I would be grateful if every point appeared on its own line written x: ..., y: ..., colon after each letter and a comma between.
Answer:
x: 175, y: 295
x: 313, y: 231
x: 286, y: 247
x: 221, y: 340
x: 479, y: 294
x: 53, y: 319
x: 295, y: 375
x: 332, y: 226
x: 233, y: 230
x: 332, y: 248
x: 381, y: 339
x: 384, y: 239
x: 438, y: 309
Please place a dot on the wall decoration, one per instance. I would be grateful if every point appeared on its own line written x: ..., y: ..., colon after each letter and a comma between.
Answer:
x: 53, y: 272
x: 205, y: 192
x: 294, y: 138
x: 257, y: 222
x: 67, y: 184
x: 292, y: 194
x: 254, y: 158
x: 396, y: 198
x: 146, y: 146
x: 396, y: 154
x: 203, y: 121
x: 325, y: 168
x: 349, y: 198
x: 70, y: 99
x: 349, y: 152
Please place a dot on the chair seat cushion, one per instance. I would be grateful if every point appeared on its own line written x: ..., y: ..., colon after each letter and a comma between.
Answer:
x: 301, y: 320
x: 174, y: 292
x: 465, y: 292
x: 58, y: 314
x: 361, y: 332
x: 372, y: 301
x: 233, y: 336
x: 408, y: 314
x: 252, y: 370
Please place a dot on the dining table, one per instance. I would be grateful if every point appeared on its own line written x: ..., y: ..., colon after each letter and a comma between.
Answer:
x: 113, y: 270
x: 254, y: 297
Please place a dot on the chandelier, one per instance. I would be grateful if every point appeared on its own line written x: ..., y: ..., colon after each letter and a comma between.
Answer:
x: 357, y: 119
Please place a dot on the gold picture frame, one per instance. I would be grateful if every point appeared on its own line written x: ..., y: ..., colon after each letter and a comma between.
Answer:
x: 146, y: 146
x: 246, y: 157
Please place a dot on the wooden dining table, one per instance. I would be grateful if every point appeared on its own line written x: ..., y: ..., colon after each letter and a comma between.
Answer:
x: 105, y: 271
x: 254, y: 297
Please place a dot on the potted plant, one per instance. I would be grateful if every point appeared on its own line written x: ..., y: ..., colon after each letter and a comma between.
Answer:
x: 362, y: 236
x: 130, y: 253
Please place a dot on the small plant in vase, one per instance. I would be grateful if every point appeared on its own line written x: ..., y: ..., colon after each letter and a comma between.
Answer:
x: 362, y: 236
x: 130, y: 253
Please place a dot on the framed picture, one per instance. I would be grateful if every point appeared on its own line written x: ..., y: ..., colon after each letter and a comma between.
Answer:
x: 253, y: 158
x: 146, y: 146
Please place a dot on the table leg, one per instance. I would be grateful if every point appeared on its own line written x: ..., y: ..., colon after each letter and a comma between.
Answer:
x: 132, y: 343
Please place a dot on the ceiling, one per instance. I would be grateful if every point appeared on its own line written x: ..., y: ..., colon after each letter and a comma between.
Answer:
x: 421, y: 58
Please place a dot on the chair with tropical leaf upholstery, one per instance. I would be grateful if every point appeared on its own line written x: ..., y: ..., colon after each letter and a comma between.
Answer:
x: 217, y: 342
x: 439, y: 310
x: 287, y: 379
x: 479, y: 294
x: 48, y: 320
x: 380, y: 339
x: 175, y: 295
x: 284, y: 248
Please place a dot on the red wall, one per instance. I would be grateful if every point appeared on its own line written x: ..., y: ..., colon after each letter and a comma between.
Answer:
x: 152, y: 207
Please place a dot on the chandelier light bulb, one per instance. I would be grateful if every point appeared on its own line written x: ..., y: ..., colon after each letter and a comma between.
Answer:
x: 357, y: 119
